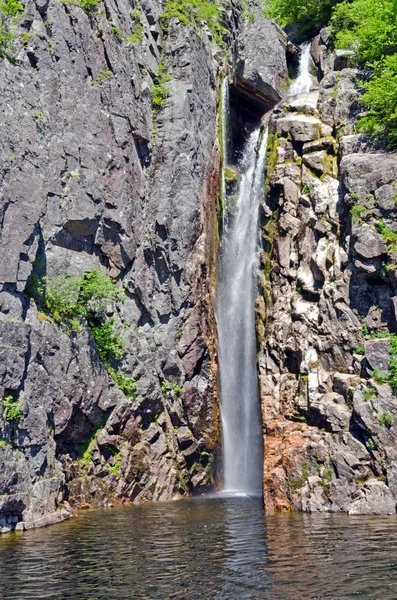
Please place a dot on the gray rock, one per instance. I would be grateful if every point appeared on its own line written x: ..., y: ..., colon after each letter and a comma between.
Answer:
x: 374, y: 498
x: 377, y: 354
x: 260, y: 61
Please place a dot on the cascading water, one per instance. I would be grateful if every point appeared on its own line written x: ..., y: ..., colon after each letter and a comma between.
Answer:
x: 235, y: 304
x: 304, y: 82
x: 224, y: 129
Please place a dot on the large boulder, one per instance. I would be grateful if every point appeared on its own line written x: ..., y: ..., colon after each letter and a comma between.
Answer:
x: 260, y: 61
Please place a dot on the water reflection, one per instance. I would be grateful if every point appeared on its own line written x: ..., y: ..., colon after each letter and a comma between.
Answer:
x: 203, y: 549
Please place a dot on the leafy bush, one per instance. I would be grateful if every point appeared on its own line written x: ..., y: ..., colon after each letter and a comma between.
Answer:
x: 168, y: 386
x: 380, y: 98
x: 12, y: 409
x: 102, y: 76
x: 389, y: 237
x: 10, y: 13
x: 367, y: 27
x: 369, y: 393
x: 89, y: 6
x: 160, y: 90
x: 108, y: 343
x: 359, y: 212
x: 69, y: 299
x: 86, y: 296
x: 194, y: 13
x: 126, y: 384
x: 307, y: 16
x: 385, y: 419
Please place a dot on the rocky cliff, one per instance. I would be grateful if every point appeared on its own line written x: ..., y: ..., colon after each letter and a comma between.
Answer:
x: 327, y: 319
x: 110, y: 166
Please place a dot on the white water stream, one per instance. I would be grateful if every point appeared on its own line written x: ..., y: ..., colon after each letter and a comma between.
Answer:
x: 304, y: 81
x: 235, y: 304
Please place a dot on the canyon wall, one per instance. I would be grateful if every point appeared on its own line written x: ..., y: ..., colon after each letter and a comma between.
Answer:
x: 328, y: 310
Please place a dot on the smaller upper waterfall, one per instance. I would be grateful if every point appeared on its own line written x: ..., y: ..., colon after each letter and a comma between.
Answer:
x: 304, y: 82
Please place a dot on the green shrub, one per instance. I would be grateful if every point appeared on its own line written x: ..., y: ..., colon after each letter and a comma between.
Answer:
x: 108, y: 343
x: 367, y: 27
x: 89, y: 6
x: 380, y: 98
x: 160, y: 90
x: 126, y: 384
x: 389, y: 237
x: 359, y: 212
x: 360, y: 350
x: 385, y: 419
x: 194, y: 13
x: 12, y: 409
x: 369, y: 393
x: 307, y: 16
x: 10, y: 13
x: 168, y: 386
x: 102, y: 76
x: 136, y: 36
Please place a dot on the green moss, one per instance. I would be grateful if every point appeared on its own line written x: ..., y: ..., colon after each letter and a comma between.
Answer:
x: 389, y: 237
x: 369, y: 393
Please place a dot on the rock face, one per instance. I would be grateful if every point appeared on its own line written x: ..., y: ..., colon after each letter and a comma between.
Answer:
x: 91, y: 179
x: 327, y: 318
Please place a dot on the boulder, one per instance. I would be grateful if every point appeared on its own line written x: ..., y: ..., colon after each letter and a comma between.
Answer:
x: 331, y: 411
x: 260, y: 61
x: 302, y: 128
x: 377, y: 354
x: 374, y: 498
x: 369, y: 243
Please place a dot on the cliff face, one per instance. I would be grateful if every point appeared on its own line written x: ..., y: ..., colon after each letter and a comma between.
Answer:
x: 87, y: 182
x: 329, y: 416
x: 91, y: 178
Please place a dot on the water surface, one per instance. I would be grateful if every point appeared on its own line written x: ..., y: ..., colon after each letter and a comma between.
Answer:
x: 202, y: 549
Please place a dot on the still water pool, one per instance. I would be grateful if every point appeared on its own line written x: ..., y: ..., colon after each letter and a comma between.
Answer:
x: 202, y: 549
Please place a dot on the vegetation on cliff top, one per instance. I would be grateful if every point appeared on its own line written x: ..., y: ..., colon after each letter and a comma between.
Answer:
x: 194, y: 13
x: 369, y: 29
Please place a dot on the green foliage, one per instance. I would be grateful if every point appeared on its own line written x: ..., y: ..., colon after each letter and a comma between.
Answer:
x: 360, y: 350
x: 371, y: 443
x: 389, y: 237
x: 307, y: 16
x: 89, y: 6
x: 306, y: 190
x: 369, y: 393
x: 88, y: 447
x: 385, y: 419
x: 380, y: 98
x: 10, y: 13
x: 160, y: 90
x: 367, y: 27
x: 115, y: 469
x: 87, y: 296
x: 69, y: 299
x: 194, y: 13
x: 379, y: 377
x: 108, y: 343
x: 126, y: 384
x: 136, y: 36
x: 102, y: 76
x: 168, y: 386
x: 359, y: 212
x: 4, y: 444
x: 12, y: 409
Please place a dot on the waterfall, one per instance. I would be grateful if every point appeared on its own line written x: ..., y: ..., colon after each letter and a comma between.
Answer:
x: 235, y: 313
x: 304, y: 82
x: 224, y: 129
